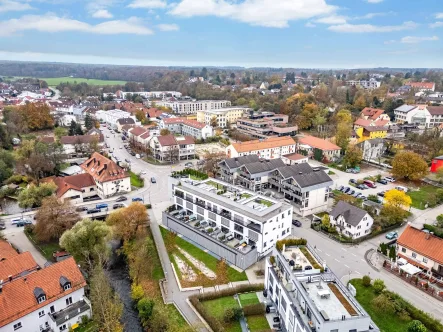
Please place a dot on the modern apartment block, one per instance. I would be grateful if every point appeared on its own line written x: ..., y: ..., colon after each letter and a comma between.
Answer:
x: 371, y: 84
x: 223, y: 116
x: 266, y: 126
x: 193, y: 106
x: 231, y: 222
x: 309, y: 300
x: 187, y: 127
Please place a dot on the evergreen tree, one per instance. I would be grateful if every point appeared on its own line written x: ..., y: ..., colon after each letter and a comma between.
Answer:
x: 89, y: 122
x: 72, y: 128
x: 348, y: 98
x: 78, y: 129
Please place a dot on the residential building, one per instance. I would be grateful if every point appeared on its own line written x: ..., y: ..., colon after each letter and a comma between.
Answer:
x: 170, y: 148
x: 111, y: 117
x: 373, y: 114
x: 372, y: 149
x: 110, y: 178
x: 422, y: 86
x: 229, y: 168
x: 123, y: 122
x: 233, y: 223
x: 371, y: 84
x: 436, y: 116
x: 309, y: 144
x: 413, y: 114
x: 270, y: 148
x: 148, y: 94
x: 222, y: 116
x: 276, y: 125
x: 350, y: 220
x: 255, y: 176
x: 139, y: 135
x: 75, y: 188
x: 294, y: 158
x: 48, y: 299
x: 437, y: 162
x: 371, y: 132
x: 187, y: 127
x: 81, y: 145
x: 360, y: 122
x: 193, y: 106
x: 308, y: 299
x: 422, y: 249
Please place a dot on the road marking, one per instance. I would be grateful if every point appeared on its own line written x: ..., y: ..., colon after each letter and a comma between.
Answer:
x: 354, y: 254
x: 362, y: 260
x: 337, y: 260
x: 357, y: 272
x: 327, y: 254
x: 343, y: 249
x: 346, y: 266
x: 319, y: 250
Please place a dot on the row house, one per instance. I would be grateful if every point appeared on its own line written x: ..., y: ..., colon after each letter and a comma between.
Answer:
x: 193, y: 106
x: 270, y: 148
x: 170, y: 148
x: 350, y: 220
x: 186, y: 127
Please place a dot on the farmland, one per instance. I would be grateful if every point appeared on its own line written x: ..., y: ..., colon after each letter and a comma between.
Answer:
x: 54, y: 81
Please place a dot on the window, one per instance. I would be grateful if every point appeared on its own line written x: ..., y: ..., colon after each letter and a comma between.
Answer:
x: 41, y: 299
x: 289, y: 213
x: 264, y: 245
x: 425, y: 260
x: 403, y: 249
x: 67, y: 286
x: 63, y: 327
x: 52, y: 309
x: 282, y: 215
x: 414, y: 255
x: 17, y: 326
x: 69, y: 301
x: 41, y: 313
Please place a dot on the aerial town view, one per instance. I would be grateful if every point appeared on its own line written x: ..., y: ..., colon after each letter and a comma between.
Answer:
x: 221, y: 166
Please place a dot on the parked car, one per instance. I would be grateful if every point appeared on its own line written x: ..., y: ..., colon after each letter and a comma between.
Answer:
x: 132, y: 153
x: 153, y: 180
x: 118, y: 206
x: 200, y: 162
x: 351, y: 192
x: 369, y: 183
x: 24, y: 222
x: 15, y: 221
x: 346, y: 190
x: 353, y: 181
x: 296, y: 223
x: 188, y: 165
x: 341, y: 188
x: 363, y: 197
x: 308, y: 267
x: 137, y: 156
x: 81, y: 209
x: 392, y: 235
x: 101, y: 206
x: 362, y: 187
x: 389, y: 178
x: 381, y: 193
x: 402, y: 188
x: 121, y: 199
x: 358, y: 195
x: 91, y: 211
x: 137, y: 199
x: 383, y: 181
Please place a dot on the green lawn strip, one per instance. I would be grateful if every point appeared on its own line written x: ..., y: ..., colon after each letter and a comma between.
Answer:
x: 265, y: 202
x: 217, y: 309
x: 385, y: 321
x: 246, y: 195
x: 175, y: 315
x: 136, y: 180
x: 420, y: 197
x: 88, y: 327
x: 248, y: 298
x: 207, y: 259
x: 46, y: 248
x: 54, y: 81
x: 257, y: 323
x: 157, y: 273
x: 214, y: 184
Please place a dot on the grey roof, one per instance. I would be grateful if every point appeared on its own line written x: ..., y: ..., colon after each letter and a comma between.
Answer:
x: 306, y: 177
x: 264, y: 165
x: 124, y: 121
x: 63, y: 281
x: 405, y: 108
x: 352, y: 214
x: 240, y: 161
x: 38, y: 292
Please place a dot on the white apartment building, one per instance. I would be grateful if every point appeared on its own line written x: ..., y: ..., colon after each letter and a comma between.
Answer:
x: 269, y: 148
x: 193, y: 106
x: 49, y: 299
x: 307, y: 299
x: 111, y: 117
x: 350, y: 220
x: 371, y: 84
x: 169, y: 148
x: 187, y: 127
x: 147, y: 94
x: 230, y: 221
x: 421, y: 115
x: 224, y: 116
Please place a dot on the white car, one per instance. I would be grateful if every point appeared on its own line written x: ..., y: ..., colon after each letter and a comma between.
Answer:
x: 389, y: 179
x: 15, y: 221
x: 143, y: 173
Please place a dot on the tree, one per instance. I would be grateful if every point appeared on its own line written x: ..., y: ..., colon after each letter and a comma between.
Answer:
x: 5, y: 138
x: 409, y: 165
x: 6, y: 164
x: 72, y: 128
x: 78, y: 129
x: 392, y: 253
x: 59, y: 132
x: 416, y: 326
x: 440, y: 220
x: 353, y: 156
x: 397, y: 198
x: 33, y: 195
x: 360, y: 103
x: 214, y: 123
x: 145, y: 309
x: 379, y: 286
x: 366, y: 281
x: 343, y: 135
x: 89, y: 121
x: 165, y: 132
x: 439, y: 173
x: 171, y: 154
x: 108, y: 308
x: 36, y: 116
x: 54, y: 218
x: 87, y: 241
x: 304, y: 119
x: 127, y: 221
x: 391, y: 215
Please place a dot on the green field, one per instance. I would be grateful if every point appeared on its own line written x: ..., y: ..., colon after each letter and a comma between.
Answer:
x: 217, y: 308
x: 248, y: 298
x: 422, y: 196
x: 54, y: 81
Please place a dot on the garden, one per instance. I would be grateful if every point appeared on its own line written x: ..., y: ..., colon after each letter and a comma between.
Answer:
x: 136, y: 180
x: 426, y: 194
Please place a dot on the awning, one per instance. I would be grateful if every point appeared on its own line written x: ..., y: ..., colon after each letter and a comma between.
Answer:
x: 410, y: 269
x: 402, y: 261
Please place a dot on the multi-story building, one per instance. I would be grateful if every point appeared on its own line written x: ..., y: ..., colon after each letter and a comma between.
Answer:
x: 309, y: 300
x: 231, y: 222
x: 372, y: 149
x: 222, y: 116
x: 270, y: 148
x: 48, y: 299
x: 146, y: 94
x: 75, y: 188
x: 371, y: 132
x: 371, y: 84
x: 413, y: 114
x: 111, y: 117
x: 229, y: 168
x: 275, y: 125
x: 422, y: 86
x: 187, y: 127
x: 170, y: 148
x: 193, y: 106
x: 350, y: 220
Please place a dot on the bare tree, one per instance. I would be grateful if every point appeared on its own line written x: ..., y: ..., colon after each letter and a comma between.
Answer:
x: 172, y: 154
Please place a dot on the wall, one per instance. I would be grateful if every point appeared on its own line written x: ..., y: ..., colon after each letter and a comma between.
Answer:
x: 109, y: 188
x: 419, y: 258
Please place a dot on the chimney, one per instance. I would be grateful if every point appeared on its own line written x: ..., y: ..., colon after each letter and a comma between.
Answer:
x: 1, y: 286
x: 428, y: 235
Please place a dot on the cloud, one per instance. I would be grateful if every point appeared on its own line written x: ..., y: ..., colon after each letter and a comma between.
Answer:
x: 333, y: 19
x: 392, y: 41
x: 436, y: 25
x: 102, y: 13
x: 148, y: 4
x: 310, y: 25
x: 13, y: 6
x: 368, y: 28
x: 415, y: 40
x: 266, y: 13
x: 372, y: 15
x: 53, y: 23
x: 374, y: 1
x: 439, y: 15
x: 168, y: 27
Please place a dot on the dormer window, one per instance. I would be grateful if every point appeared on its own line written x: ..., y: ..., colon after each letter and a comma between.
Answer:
x: 39, y: 294
x: 65, y: 283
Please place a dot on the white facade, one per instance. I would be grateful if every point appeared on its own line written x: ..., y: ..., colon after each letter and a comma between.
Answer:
x: 187, y: 128
x: 371, y: 84
x: 111, y: 117
x: 110, y: 188
x: 413, y: 114
x: 266, y: 151
x: 352, y: 229
x: 149, y: 94
x: 191, y: 107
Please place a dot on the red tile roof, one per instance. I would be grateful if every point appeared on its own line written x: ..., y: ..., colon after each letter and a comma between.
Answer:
x: 167, y: 140
x: 372, y: 113
x: 295, y: 156
x: 422, y: 243
x: 81, y: 139
x: 362, y: 122
x: 154, y: 112
x: 318, y: 143
x: 191, y: 123
x: 185, y: 140
x: 435, y: 110
x: 13, y: 266
x: 76, y: 182
x: 268, y: 143
x: 17, y: 298
x: 6, y: 250
x: 421, y: 85
x: 137, y: 131
x: 103, y: 169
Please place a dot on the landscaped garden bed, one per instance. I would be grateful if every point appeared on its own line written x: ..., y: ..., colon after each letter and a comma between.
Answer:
x: 349, y: 308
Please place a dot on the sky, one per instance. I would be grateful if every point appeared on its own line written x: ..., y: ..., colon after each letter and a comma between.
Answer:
x: 249, y: 33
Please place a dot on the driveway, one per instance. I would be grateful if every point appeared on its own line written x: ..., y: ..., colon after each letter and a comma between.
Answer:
x: 20, y: 241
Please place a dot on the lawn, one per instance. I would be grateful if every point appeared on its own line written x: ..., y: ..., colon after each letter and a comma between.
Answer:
x: 46, y: 249
x: 54, y: 81
x: 257, y: 323
x: 248, y: 298
x: 152, y: 160
x: 266, y: 202
x: 157, y: 273
x: 209, y: 260
x: 421, y: 197
x: 246, y: 195
x: 214, y: 184
x: 136, y: 180
x: 217, y: 308
x: 387, y: 322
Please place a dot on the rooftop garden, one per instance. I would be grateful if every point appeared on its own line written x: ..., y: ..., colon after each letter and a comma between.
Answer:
x: 193, y: 174
x: 349, y: 308
x: 264, y: 202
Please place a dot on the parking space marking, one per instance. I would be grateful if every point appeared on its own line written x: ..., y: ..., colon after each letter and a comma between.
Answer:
x: 353, y: 254
x: 336, y: 260
x: 346, y: 266
x: 343, y: 249
x: 357, y: 272
x: 319, y: 250
x: 327, y: 254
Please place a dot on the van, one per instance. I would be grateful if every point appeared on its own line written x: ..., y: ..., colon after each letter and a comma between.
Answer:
x: 370, y: 184
x: 401, y: 188
x: 137, y: 156
x: 101, y: 206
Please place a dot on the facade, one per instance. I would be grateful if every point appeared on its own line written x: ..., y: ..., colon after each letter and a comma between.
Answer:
x: 308, y: 300
x: 193, y: 106
x: 146, y: 94
x: 223, y: 116
x: 421, y: 249
x: 187, y: 127
x: 414, y: 114
x: 122, y: 122
x: 371, y: 132
x: 236, y: 224
x: 308, y: 144
x: 422, y: 86
x: 75, y: 188
x: 48, y: 299
x: 111, y: 117
x: 275, y: 125
x: 270, y: 148
x: 350, y: 220
x: 294, y: 158
x: 371, y: 84
x: 110, y: 178
x: 170, y: 148
x: 372, y: 149
x: 437, y: 162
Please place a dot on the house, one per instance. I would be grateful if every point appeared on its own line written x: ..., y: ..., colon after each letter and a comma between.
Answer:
x: 294, y: 158
x: 221, y: 116
x: 350, y: 220
x: 76, y: 188
x: 372, y: 149
x: 373, y: 114
x: 170, y: 148
x: 264, y: 86
x: 183, y: 126
x: 123, y: 122
x: 228, y: 168
x: 110, y: 178
x: 413, y: 114
x: 437, y: 162
x: 309, y: 144
x: 422, y: 249
x: 81, y: 145
x: 269, y: 148
x: 48, y: 299
x: 371, y: 132
x: 266, y: 126
x: 422, y: 86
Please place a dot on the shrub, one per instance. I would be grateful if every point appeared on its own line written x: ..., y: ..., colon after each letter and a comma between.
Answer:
x: 290, y: 242
x: 382, y: 303
x: 136, y: 292
x: 145, y: 307
x: 379, y: 286
x: 254, y: 309
x: 228, y: 315
x: 148, y: 206
x: 416, y: 326
x: 311, y: 259
x: 272, y: 260
x: 366, y: 281
x: 29, y: 229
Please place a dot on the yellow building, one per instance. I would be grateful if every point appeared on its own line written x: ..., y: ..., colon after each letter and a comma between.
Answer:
x: 223, y: 115
x: 370, y: 132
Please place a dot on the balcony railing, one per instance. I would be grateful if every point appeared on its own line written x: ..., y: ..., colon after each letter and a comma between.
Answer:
x: 201, y: 203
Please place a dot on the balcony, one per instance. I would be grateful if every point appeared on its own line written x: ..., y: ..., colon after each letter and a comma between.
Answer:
x: 200, y: 203
x: 79, y: 308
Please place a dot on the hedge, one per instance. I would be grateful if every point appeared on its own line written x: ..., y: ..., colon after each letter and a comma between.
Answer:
x: 230, y: 292
x: 290, y: 242
x: 437, y: 231
x: 311, y: 259
x: 254, y: 309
